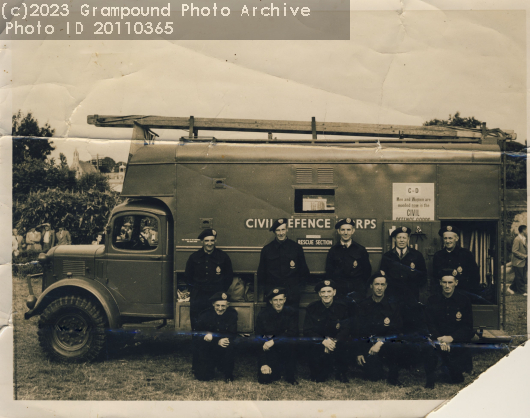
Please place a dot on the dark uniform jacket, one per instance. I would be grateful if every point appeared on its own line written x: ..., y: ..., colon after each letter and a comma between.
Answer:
x: 221, y: 326
x: 209, y: 272
x: 404, y: 276
x: 321, y: 322
x: 349, y: 267
x: 282, y: 264
x: 379, y: 319
x: 280, y: 326
x: 450, y: 316
x: 463, y: 261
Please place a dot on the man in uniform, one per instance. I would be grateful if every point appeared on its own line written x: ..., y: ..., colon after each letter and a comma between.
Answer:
x: 454, y: 257
x: 208, y: 271
x: 327, y: 325
x: 519, y: 266
x: 282, y: 264
x: 348, y: 263
x: 450, y: 323
x: 380, y: 324
x: 215, y: 340
x: 276, y: 330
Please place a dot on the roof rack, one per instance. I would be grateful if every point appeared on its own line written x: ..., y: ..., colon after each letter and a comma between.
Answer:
x: 363, y: 132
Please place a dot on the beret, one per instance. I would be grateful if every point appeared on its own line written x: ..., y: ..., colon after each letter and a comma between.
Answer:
x: 447, y: 272
x: 448, y: 228
x: 277, y: 224
x: 207, y: 233
x: 275, y: 292
x: 325, y: 283
x: 218, y: 296
x: 376, y: 275
x: 401, y: 229
x: 346, y: 221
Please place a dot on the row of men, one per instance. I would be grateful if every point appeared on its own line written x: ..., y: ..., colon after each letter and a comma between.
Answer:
x: 372, y: 335
x: 39, y: 238
x: 282, y: 264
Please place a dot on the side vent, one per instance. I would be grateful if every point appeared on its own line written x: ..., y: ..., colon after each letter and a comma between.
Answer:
x: 77, y: 268
x: 325, y: 175
x: 304, y: 175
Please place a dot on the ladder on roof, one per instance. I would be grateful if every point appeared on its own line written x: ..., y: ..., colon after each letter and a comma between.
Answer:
x: 363, y: 132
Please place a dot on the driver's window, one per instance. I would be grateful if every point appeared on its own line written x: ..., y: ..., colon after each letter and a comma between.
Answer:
x: 135, y: 232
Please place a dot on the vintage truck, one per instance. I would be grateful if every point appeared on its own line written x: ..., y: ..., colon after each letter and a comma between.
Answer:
x: 383, y: 176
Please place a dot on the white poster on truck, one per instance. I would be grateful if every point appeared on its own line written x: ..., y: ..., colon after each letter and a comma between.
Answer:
x: 413, y: 201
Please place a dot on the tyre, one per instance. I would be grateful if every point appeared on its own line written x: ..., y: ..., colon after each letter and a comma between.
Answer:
x: 72, y: 329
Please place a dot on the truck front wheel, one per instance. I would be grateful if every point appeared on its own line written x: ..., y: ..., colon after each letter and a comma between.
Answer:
x: 72, y: 329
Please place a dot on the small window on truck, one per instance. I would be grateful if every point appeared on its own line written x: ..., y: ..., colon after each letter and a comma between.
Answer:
x: 314, y: 200
x: 135, y: 232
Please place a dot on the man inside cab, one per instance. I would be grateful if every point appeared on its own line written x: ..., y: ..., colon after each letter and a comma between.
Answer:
x: 379, y: 328
x: 450, y: 322
x: 327, y: 326
x: 282, y: 263
x: 454, y: 257
x: 348, y: 264
x: 217, y: 330
x: 276, y: 332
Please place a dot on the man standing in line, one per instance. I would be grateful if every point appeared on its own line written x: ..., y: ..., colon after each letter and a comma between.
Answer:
x: 348, y: 263
x: 282, y: 263
x: 277, y: 328
x: 519, y: 264
x: 450, y: 322
x: 454, y: 257
x: 48, y: 238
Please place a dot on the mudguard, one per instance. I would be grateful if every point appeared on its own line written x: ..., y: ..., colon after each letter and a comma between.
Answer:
x: 94, y: 288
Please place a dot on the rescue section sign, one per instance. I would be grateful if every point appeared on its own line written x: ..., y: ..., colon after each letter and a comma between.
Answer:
x: 308, y: 223
x: 413, y: 201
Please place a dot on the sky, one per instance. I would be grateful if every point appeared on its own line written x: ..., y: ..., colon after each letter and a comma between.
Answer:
x: 397, y: 68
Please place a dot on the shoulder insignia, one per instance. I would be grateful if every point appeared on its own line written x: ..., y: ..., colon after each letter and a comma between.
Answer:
x: 412, y: 265
x: 224, y: 296
x: 327, y: 282
x: 218, y: 270
x: 355, y: 264
x: 455, y: 273
x: 337, y: 326
x: 387, y: 321
x: 459, y: 269
x: 449, y: 228
x: 458, y: 316
x: 275, y: 291
x: 292, y: 264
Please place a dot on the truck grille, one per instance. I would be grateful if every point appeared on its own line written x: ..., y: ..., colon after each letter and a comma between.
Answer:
x: 325, y: 175
x: 304, y: 175
x: 77, y: 268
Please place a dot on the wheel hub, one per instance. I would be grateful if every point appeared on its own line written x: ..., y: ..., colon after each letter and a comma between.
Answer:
x: 71, y: 332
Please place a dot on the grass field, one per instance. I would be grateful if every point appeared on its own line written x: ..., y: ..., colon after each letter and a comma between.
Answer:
x: 157, y: 366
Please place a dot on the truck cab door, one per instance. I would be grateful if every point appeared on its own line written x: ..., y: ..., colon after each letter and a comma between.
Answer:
x: 135, y: 262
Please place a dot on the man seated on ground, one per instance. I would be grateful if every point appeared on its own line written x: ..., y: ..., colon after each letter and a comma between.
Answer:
x: 277, y: 329
x: 380, y: 325
x: 450, y: 323
x: 327, y: 324
x: 217, y: 330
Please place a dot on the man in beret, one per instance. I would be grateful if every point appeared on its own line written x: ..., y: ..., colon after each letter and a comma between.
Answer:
x: 450, y: 322
x: 380, y: 324
x: 282, y: 263
x: 348, y: 263
x: 276, y: 330
x: 327, y: 325
x: 454, y: 257
x: 208, y: 271
x: 217, y: 330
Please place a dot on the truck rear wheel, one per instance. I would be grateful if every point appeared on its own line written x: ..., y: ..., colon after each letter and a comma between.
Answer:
x: 72, y: 329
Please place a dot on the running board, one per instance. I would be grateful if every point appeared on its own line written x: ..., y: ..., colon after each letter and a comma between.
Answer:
x: 493, y: 336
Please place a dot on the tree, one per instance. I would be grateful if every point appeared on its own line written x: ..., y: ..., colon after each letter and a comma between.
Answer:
x: 515, y: 152
x: 24, y: 147
x: 93, y: 181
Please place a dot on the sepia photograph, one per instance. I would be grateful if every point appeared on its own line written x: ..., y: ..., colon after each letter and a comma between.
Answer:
x: 249, y: 220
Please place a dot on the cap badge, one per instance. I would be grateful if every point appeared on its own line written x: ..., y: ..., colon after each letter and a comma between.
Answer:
x: 355, y: 264
x: 218, y: 270
x: 404, y: 229
x: 412, y: 265
x: 455, y: 273
x: 458, y: 316
x: 280, y: 221
x: 292, y: 264
x: 449, y: 228
x: 214, y: 232
x: 275, y: 290
x: 337, y: 326
x: 459, y: 269
x: 327, y: 282
x: 348, y: 220
x: 387, y: 321
x: 224, y: 296
x: 382, y: 272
